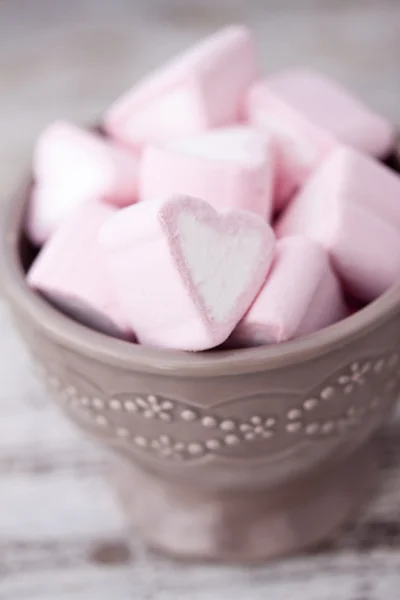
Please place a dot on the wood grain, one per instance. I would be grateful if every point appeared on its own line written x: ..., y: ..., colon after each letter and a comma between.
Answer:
x: 62, y: 535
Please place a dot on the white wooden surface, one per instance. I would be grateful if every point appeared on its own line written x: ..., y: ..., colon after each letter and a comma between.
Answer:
x: 62, y: 535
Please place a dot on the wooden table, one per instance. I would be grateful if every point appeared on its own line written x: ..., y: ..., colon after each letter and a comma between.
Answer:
x: 62, y: 535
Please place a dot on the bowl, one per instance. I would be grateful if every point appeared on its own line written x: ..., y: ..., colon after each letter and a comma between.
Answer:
x: 228, y: 455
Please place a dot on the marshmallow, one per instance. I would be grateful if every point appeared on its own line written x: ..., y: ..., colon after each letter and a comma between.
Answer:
x: 351, y: 207
x: 201, y: 89
x: 365, y: 181
x: 71, y: 165
x: 70, y: 272
x: 194, y: 271
x: 229, y: 168
x: 309, y: 114
x: 300, y: 295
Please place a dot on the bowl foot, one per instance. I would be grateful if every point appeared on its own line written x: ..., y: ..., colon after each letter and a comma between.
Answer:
x: 244, y: 527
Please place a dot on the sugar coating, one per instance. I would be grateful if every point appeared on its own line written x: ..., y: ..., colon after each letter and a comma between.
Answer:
x: 196, y: 271
x: 200, y: 89
x: 72, y: 165
x: 350, y: 206
x: 300, y: 295
x: 231, y: 168
x: 309, y: 114
x: 70, y: 271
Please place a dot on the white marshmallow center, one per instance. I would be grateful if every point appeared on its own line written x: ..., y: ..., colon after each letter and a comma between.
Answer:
x: 221, y: 264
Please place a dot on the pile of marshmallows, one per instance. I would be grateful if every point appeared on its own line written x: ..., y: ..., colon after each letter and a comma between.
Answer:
x: 160, y: 231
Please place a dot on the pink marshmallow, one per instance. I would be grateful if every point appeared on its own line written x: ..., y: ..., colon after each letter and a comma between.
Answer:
x: 195, y: 271
x: 301, y: 295
x: 351, y: 207
x: 70, y: 272
x: 327, y: 305
x: 71, y: 165
x: 201, y: 89
x: 308, y: 114
x: 229, y: 168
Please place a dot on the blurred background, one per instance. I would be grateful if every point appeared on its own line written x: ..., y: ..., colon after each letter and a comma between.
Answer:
x: 70, y: 58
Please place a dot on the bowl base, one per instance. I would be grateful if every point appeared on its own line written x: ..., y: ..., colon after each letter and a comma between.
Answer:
x: 242, y: 528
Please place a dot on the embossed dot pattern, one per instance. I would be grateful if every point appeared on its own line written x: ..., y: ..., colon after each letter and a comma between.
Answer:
x: 231, y: 432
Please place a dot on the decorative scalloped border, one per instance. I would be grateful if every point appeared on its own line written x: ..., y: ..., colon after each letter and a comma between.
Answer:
x: 230, y: 432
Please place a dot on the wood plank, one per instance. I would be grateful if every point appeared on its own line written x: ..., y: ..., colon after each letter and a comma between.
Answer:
x: 78, y: 584
x: 56, y: 506
x: 346, y: 576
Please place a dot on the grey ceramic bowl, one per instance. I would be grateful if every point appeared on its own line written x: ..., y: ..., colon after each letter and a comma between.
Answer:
x: 237, y: 455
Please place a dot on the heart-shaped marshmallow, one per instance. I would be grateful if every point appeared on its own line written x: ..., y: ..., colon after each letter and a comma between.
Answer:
x: 202, y: 89
x: 231, y: 168
x: 71, y: 273
x: 185, y: 273
x: 308, y: 114
x: 72, y: 165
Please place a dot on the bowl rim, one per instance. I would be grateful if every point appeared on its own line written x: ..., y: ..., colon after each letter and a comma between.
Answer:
x: 74, y: 336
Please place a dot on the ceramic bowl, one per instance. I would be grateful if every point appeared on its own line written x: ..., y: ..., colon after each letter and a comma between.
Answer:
x: 237, y: 455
